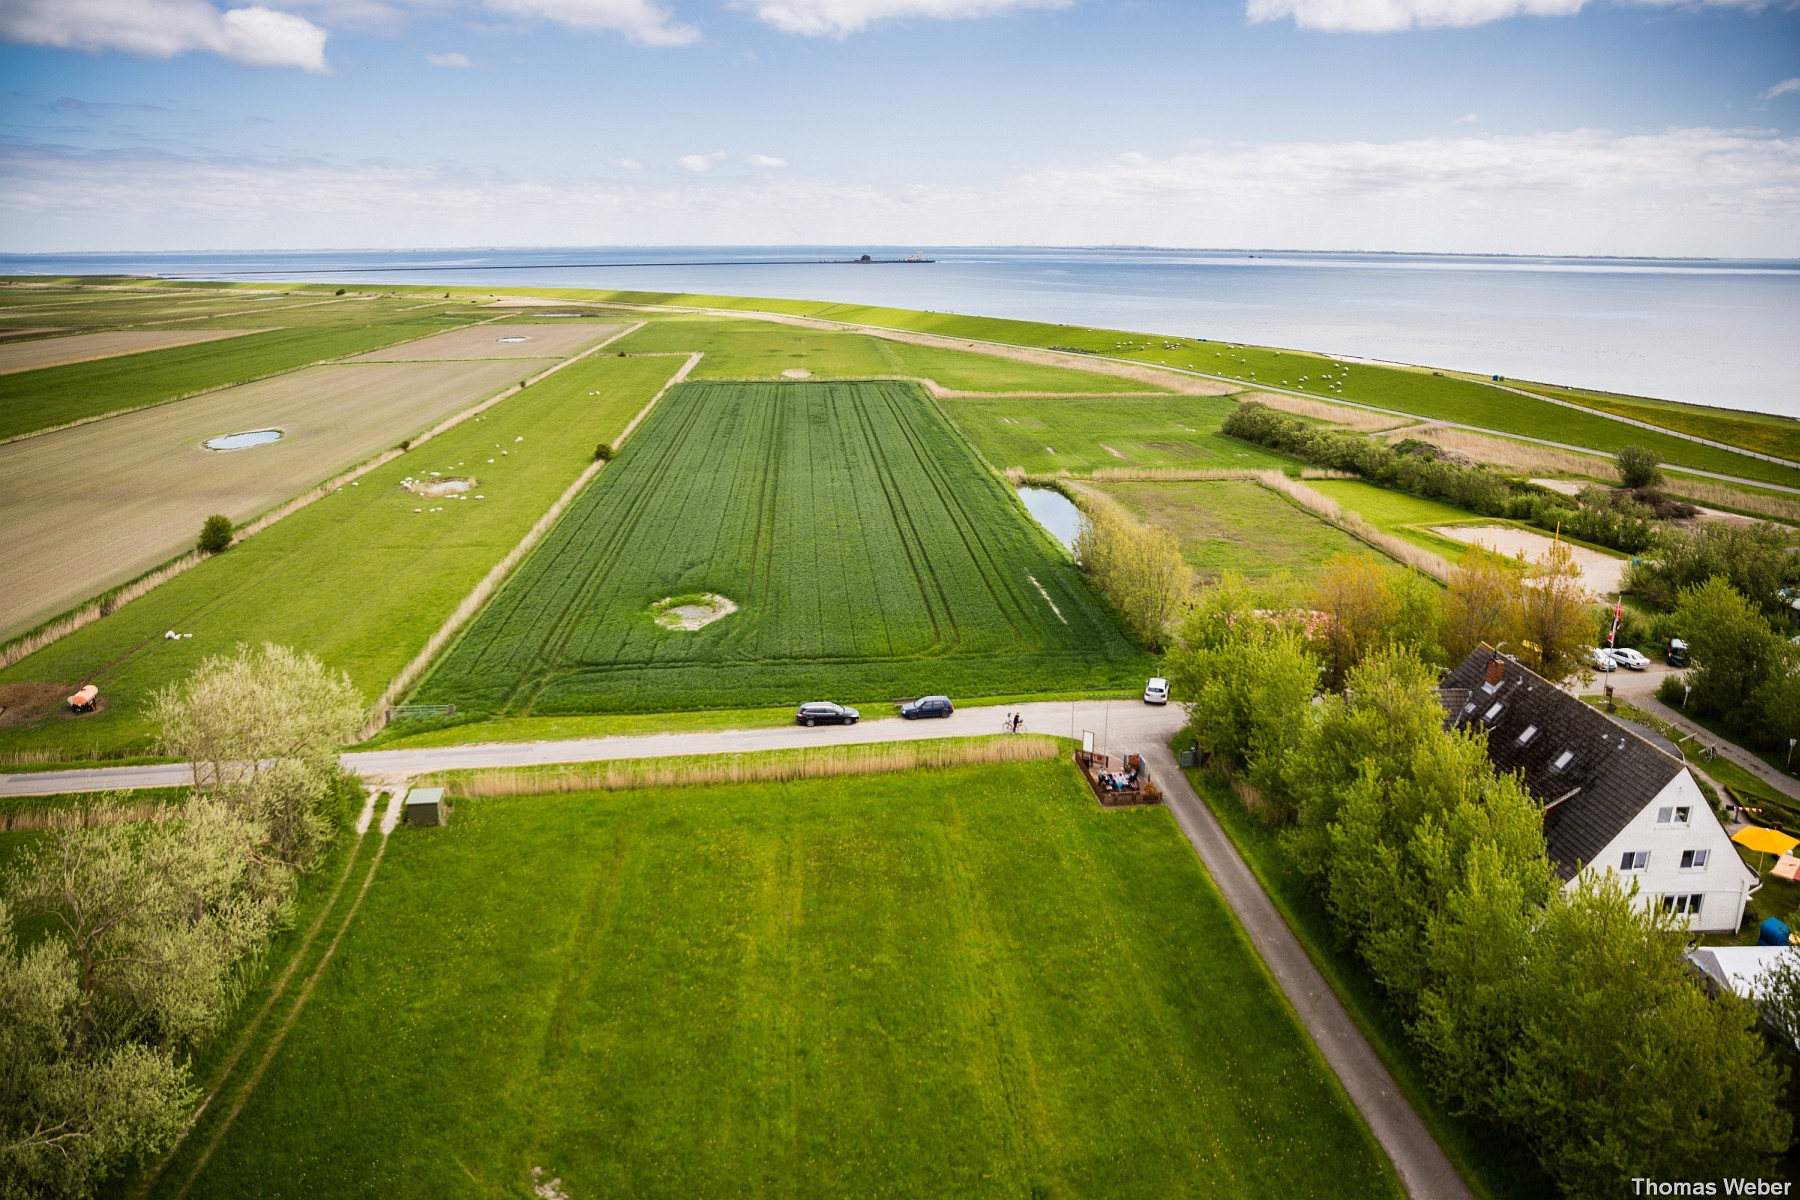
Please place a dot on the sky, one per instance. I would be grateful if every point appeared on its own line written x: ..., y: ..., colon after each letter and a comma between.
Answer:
x: 1578, y: 127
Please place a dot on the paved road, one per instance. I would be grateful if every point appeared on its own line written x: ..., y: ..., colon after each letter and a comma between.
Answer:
x: 1114, y: 724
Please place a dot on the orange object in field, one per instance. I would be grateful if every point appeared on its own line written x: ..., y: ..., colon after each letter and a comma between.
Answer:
x: 83, y: 701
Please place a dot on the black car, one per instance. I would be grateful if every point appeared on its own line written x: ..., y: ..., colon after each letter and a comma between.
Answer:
x: 927, y: 706
x: 823, y: 712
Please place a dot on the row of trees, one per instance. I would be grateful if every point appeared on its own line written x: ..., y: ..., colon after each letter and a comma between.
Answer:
x: 1759, y: 560
x: 1623, y: 522
x: 1138, y: 566
x: 1745, y: 673
x: 1566, y: 1017
x: 123, y: 947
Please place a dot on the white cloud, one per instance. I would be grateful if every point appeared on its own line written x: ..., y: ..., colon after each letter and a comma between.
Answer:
x: 701, y: 162
x: 450, y: 59
x: 766, y: 161
x: 628, y: 164
x: 1706, y: 192
x: 1784, y: 88
x: 641, y: 21
x: 840, y: 18
x: 1468, y: 119
x: 253, y: 35
x: 1388, y: 16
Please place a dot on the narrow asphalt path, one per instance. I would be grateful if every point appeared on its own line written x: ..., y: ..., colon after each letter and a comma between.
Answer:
x: 1424, y: 1168
x: 1119, y: 727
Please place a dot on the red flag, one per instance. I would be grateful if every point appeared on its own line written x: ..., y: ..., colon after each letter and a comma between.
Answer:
x: 1618, y: 614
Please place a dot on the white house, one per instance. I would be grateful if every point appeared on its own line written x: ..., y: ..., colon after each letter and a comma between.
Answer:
x: 1613, y: 799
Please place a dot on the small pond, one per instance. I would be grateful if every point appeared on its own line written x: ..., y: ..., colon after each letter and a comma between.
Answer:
x: 512, y: 339
x: 239, y: 441
x: 1055, y: 512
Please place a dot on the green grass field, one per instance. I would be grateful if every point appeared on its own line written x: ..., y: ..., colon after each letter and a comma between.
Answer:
x: 1082, y: 435
x: 868, y: 552
x: 750, y: 349
x: 57, y: 395
x: 1762, y: 432
x: 1235, y: 525
x: 968, y: 981
x: 1404, y: 516
x: 358, y: 578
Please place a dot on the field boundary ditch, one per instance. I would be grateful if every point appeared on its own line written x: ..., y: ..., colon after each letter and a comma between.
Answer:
x: 382, y: 710
x: 109, y: 601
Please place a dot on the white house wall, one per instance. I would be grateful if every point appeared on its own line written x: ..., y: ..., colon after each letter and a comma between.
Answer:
x: 1725, y: 881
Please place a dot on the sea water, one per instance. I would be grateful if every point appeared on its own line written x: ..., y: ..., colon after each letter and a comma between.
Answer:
x: 1723, y: 333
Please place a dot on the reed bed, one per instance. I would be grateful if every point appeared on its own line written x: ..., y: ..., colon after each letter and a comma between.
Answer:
x: 1719, y: 495
x: 767, y: 766
x: 1360, y: 419
x: 1198, y: 474
x: 1514, y: 456
x: 84, y: 816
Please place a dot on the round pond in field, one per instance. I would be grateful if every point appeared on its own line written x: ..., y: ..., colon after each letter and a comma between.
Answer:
x: 691, y: 612
x: 1055, y: 512
x: 439, y: 485
x: 243, y: 441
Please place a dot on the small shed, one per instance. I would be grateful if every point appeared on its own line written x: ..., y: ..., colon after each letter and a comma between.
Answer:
x: 425, y: 806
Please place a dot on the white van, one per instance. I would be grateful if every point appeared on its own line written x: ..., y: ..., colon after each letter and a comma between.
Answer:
x: 1156, y: 691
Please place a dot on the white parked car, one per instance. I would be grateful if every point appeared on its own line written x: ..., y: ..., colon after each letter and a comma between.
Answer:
x: 1627, y: 657
x: 1156, y: 691
x: 1601, y: 660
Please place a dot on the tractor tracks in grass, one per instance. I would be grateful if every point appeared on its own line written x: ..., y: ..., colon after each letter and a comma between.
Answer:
x: 278, y: 994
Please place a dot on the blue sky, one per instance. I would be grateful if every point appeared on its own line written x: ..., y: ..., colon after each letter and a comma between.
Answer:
x: 1511, y: 126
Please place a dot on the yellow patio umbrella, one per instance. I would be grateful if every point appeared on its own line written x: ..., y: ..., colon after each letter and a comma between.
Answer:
x: 1767, y: 841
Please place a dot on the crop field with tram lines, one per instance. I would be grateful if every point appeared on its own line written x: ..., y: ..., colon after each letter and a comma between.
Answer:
x: 868, y: 552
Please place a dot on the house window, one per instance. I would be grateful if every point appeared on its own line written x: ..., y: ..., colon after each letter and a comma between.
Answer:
x: 1634, y: 860
x: 1694, y: 860
x: 1493, y: 712
x: 1676, y: 814
x: 1564, y: 759
x: 1686, y: 904
x: 1530, y: 732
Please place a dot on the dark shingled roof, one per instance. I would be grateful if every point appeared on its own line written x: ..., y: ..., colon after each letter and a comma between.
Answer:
x: 1610, y: 773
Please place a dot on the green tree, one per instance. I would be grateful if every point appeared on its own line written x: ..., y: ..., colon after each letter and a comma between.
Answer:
x: 1138, y: 566
x: 1758, y: 560
x: 1732, y: 648
x: 1638, y: 467
x: 1556, y: 629
x: 215, y: 534
x: 71, y: 1115
x: 1481, y: 604
x: 1621, y: 1065
x: 262, y: 729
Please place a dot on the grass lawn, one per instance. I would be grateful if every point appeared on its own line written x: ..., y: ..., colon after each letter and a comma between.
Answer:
x: 1234, y: 525
x: 1494, y: 1166
x: 1404, y: 516
x: 1083, y: 435
x: 751, y: 349
x: 57, y: 395
x: 968, y: 981
x: 359, y: 578
x: 868, y: 552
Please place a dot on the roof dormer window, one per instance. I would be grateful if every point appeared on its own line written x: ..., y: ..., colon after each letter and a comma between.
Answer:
x: 1493, y: 712
x: 1563, y: 759
x: 1530, y: 732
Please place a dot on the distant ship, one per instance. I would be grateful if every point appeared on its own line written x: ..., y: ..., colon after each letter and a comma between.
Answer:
x: 911, y: 258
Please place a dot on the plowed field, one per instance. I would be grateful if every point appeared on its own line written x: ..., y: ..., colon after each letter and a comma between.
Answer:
x: 868, y: 552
